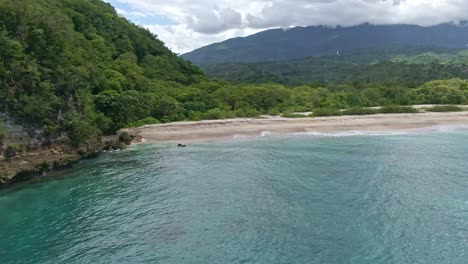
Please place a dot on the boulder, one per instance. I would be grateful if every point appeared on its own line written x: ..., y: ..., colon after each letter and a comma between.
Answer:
x: 125, y: 138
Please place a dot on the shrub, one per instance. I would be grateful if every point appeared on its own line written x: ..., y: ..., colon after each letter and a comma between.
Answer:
x: 194, y: 116
x: 216, y: 113
x: 145, y: 121
x: 274, y: 112
x: 393, y: 109
x: 247, y: 112
x: 360, y: 111
x: 79, y: 129
x: 445, y: 108
x: 325, y: 112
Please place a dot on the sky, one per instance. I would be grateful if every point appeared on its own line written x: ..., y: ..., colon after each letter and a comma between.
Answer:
x: 185, y: 25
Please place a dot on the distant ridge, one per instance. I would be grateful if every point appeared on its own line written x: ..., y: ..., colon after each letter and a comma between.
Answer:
x: 315, y: 41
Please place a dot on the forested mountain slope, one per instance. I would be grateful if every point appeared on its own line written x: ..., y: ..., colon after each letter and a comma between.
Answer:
x: 302, y: 42
x: 76, y: 67
x: 399, y: 69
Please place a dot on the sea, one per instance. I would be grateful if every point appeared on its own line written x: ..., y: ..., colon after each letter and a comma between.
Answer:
x: 355, y: 197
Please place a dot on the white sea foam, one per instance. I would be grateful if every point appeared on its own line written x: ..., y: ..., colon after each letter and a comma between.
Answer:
x: 353, y: 133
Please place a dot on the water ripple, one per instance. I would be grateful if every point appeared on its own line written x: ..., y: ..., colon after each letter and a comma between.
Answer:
x: 387, y: 198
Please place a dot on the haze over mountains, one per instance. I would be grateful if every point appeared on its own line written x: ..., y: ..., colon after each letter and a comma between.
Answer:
x: 316, y: 41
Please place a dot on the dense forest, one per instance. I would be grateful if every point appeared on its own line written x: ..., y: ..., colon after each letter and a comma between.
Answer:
x: 402, y: 69
x: 402, y: 65
x: 75, y: 67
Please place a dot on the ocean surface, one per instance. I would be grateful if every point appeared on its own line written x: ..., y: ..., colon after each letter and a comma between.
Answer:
x: 343, y: 198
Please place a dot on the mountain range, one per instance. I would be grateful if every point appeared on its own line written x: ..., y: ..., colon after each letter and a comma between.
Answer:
x: 317, y: 41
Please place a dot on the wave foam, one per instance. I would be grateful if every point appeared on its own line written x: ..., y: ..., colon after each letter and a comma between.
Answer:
x: 353, y: 133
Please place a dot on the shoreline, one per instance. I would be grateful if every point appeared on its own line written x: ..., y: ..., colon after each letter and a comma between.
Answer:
x: 41, y: 162
x: 44, y: 162
x: 228, y: 129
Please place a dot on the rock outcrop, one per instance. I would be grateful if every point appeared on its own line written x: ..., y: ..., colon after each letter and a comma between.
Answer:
x: 26, y: 155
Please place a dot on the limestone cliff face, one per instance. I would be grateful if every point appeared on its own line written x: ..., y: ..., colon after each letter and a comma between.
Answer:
x: 25, y: 152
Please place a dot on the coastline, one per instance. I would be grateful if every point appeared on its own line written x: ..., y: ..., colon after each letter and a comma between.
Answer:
x: 42, y: 161
x: 228, y: 129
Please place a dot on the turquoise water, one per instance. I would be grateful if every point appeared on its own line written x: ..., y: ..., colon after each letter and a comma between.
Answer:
x: 303, y: 199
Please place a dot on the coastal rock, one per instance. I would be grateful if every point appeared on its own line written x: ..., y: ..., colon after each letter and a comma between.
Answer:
x: 25, y: 154
x: 41, y: 158
x: 125, y: 138
x: 114, y: 145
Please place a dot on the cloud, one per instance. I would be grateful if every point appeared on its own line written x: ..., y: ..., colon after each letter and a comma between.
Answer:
x: 186, y: 24
x: 213, y: 21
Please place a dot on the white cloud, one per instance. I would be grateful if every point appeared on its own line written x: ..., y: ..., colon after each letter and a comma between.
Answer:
x: 198, y: 23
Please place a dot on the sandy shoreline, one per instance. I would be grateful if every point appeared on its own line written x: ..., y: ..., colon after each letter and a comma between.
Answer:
x: 227, y: 129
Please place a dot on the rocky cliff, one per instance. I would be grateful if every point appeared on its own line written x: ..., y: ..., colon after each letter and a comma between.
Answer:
x: 25, y: 152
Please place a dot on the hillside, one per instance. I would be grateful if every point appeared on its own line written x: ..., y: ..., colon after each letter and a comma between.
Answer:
x: 399, y: 69
x: 58, y: 54
x: 316, y: 41
x: 72, y: 71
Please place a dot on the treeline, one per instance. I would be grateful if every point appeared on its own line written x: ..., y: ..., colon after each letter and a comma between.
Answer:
x: 217, y: 99
x: 459, y: 58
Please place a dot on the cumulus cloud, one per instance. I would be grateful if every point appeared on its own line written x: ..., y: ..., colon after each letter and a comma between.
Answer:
x: 186, y: 24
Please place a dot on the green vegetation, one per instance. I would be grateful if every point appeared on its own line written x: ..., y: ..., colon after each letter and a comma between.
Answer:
x: 394, y: 109
x: 363, y: 111
x: 145, y: 121
x: 325, y: 112
x: 445, y: 108
x: 336, y: 70
x: 76, y: 67
x: 360, y: 111
x: 458, y: 58
x: 216, y: 113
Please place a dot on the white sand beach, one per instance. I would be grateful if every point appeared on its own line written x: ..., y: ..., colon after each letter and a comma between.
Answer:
x: 227, y: 129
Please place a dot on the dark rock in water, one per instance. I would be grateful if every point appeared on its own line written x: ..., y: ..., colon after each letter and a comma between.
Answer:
x: 114, y: 145
x: 125, y: 138
x: 181, y: 145
x: 90, y: 149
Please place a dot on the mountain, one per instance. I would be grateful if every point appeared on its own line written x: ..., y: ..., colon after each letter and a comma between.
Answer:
x: 315, y: 41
